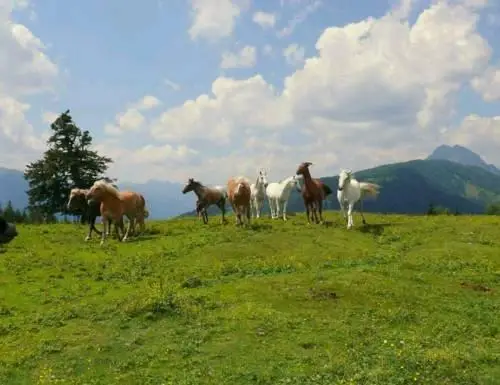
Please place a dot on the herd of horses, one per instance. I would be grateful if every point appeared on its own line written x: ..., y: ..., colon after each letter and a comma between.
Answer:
x: 246, y: 200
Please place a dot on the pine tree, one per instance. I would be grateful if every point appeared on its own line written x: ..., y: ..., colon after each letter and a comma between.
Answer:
x: 9, y: 213
x: 68, y: 162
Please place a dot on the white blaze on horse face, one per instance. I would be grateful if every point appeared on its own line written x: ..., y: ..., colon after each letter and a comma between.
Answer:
x: 343, y: 178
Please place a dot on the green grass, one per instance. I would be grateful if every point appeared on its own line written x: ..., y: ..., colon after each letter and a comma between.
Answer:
x: 411, y: 300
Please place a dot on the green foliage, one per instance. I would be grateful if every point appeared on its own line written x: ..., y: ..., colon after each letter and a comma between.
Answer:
x: 404, y: 300
x: 493, y: 209
x: 68, y: 162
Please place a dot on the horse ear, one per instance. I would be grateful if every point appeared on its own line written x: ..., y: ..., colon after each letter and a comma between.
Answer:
x: 308, y: 164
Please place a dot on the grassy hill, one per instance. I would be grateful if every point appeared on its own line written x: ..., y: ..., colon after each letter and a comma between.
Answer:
x: 405, y: 300
x: 409, y: 188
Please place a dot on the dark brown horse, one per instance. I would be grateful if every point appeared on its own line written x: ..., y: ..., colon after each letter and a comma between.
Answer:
x: 207, y: 196
x: 314, y: 193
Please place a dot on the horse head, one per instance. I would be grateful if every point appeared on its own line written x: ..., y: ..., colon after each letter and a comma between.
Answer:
x: 344, y: 178
x: 296, y: 182
x: 303, y: 168
x: 190, y: 186
x: 76, y: 199
x: 262, y: 178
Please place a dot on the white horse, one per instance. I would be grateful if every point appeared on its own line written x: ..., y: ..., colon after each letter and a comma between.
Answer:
x: 278, y: 194
x: 258, y: 194
x: 351, y: 191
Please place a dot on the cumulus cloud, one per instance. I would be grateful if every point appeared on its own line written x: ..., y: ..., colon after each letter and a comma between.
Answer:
x: 376, y: 91
x: 25, y: 70
x: 244, y: 58
x: 294, y: 54
x: 488, y: 84
x: 264, y: 19
x: 480, y: 134
x: 132, y: 119
x: 214, y: 19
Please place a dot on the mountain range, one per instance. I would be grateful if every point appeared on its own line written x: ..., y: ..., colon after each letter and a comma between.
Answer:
x: 453, y: 177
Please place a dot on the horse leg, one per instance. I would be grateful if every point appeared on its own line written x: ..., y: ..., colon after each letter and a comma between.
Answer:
x: 248, y: 214
x: 361, y: 210
x: 91, y: 226
x: 272, y: 208
x: 105, y: 223
x: 284, y: 203
x: 350, y: 221
x: 130, y: 224
x: 222, y: 206
x: 307, y: 213
x: 320, y: 209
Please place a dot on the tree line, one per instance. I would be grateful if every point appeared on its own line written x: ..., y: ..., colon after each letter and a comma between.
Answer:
x: 68, y: 162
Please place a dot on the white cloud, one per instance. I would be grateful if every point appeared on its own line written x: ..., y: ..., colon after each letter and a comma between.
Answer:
x: 173, y: 85
x: 264, y: 19
x: 132, y: 119
x: 294, y: 54
x: 214, y: 19
x: 25, y: 69
x: 377, y: 91
x: 300, y: 17
x: 49, y: 117
x: 480, y: 134
x: 488, y: 84
x: 244, y: 58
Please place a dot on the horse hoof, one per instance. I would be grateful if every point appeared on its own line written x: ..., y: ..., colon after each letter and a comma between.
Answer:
x: 102, y: 243
x: 87, y: 239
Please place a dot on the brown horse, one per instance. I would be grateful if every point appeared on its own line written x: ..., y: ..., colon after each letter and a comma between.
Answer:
x: 115, y: 204
x: 207, y: 196
x: 239, y: 193
x: 314, y: 192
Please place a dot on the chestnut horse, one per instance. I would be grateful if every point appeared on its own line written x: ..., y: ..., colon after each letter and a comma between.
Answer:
x: 115, y: 204
x: 239, y: 194
x: 207, y: 196
x: 314, y: 191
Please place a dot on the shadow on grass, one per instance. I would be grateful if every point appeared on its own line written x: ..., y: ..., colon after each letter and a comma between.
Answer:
x: 143, y: 237
x: 374, y: 228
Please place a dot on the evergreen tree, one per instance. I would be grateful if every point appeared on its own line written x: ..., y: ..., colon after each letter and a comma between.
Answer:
x: 68, y: 162
x: 9, y: 213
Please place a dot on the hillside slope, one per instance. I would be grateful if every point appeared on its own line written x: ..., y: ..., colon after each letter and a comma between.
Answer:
x: 410, y: 187
x: 462, y: 155
x: 407, y: 300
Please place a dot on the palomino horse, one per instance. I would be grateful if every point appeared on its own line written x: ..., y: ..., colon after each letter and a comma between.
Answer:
x: 115, y: 204
x: 258, y: 193
x: 90, y: 209
x: 278, y: 194
x: 351, y: 191
x: 207, y: 196
x: 238, y: 191
x: 314, y: 192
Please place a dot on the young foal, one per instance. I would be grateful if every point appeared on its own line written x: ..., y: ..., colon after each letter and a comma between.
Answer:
x: 206, y: 197
x: 238, y: 191
x: 314, y: 192
x: 258, y: 194
x: 115, y: 204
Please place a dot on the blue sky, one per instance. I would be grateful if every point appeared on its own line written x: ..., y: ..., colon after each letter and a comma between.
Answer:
x: 109, y: 55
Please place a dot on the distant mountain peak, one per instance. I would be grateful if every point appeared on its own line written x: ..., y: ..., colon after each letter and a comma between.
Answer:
x: 462, y: 155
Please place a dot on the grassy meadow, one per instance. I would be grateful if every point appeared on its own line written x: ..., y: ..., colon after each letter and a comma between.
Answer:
x: 405, y: 300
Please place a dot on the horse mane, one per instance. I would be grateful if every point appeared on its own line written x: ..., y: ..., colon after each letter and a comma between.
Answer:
x: 108, y: 188
x: 78, y: 191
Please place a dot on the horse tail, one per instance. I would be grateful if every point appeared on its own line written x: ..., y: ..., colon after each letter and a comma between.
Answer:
x: 143, y: 206
x: 369, y: 189
x: 327, y: 189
